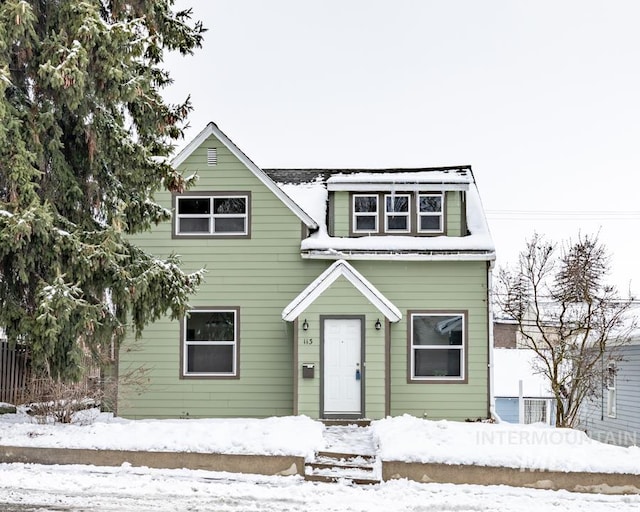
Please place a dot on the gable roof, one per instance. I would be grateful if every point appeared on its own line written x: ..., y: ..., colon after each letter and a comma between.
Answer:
x: 212, y: 129
x: 327, y: 278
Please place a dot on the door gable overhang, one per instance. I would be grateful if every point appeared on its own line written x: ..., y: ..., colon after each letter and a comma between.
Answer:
x: 341, y: 268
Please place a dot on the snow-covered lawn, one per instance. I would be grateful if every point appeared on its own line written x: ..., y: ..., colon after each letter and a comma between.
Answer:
x: 402, y: 438
x: 410, y: 439
x: 127, y: 488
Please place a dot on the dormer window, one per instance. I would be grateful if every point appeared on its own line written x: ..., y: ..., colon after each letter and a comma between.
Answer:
x: 430, y: 213
x: 396, y: 213
x: 413, y: 213
x: 365, y: 213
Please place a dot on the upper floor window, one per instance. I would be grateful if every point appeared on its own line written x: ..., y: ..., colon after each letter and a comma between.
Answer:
x: 407, y: 213
x: 210, y: 343
x: 212, y: 215
x: 437, y: 346
x: 430, y: 213
x: 365, y: 213
x: 396, y: 213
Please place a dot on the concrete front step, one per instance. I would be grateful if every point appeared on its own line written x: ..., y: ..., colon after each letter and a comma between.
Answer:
x: 334, y: 467
x: 343, y: 422
x: 338, y: 478
x: 346, y: 460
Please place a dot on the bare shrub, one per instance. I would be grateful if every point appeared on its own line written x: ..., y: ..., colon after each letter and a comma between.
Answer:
x: 49, y: 400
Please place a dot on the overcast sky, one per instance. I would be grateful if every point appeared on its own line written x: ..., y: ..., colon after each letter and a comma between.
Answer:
x: 541, y: 97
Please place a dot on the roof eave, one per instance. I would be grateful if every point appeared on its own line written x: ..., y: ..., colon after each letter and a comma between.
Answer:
x: 336, y: 254
x: 212, y: 129
x: 405, y: 186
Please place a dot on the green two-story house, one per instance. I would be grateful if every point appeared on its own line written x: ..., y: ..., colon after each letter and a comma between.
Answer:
x: 335, y: 293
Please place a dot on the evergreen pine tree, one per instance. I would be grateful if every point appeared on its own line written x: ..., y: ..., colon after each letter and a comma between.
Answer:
x: 85, y: 138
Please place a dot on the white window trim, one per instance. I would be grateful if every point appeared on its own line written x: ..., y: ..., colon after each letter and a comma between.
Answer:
x: 212, y: 216
x: 439, y: 214
x: 375, y: 214
x: 406, y: 214
x: 460, y: 347
x: 611, y: 392
x: 187, y: 344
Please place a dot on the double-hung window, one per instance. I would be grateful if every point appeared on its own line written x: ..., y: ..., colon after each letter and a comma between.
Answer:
x: 430, y: 213
x: 365, y: 213
x: 418, y: 213
x: 437, y: 346
x: 212, y: 215
x: 396, y: 213
x: 210, y: 343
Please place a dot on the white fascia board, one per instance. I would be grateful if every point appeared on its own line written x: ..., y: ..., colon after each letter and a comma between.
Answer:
x: 396, y: 186
x: 327, y: 278
x: 212, y: 129
x: 395, y: 256
x: 192, y: 146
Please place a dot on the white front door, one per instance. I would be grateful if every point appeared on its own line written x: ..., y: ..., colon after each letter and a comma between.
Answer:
x: 342, y: 387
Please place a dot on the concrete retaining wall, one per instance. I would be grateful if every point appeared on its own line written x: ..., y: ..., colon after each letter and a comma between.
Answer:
x: 257, y: 464
x: 604, y: 483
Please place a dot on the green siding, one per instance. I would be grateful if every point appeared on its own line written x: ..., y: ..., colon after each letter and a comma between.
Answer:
x: 453, y: 214
x: 436, y: 286
x: 410, y: 286
x: 342, y: 298
x: 341, y: 214
x: 261, y: 275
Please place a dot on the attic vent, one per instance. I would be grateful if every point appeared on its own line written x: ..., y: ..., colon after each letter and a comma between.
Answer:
x: 212, y: 156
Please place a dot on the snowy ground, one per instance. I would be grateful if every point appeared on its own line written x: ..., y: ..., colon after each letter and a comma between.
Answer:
x: 141, y: 490
x: 399, y: 438
x: 125, y: 488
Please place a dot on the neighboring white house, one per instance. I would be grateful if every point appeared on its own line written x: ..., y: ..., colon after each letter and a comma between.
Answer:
x: 522, y: 394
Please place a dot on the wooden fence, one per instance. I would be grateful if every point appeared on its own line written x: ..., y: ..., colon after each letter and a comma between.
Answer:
x: 18, y: 385
x: 14, y: 370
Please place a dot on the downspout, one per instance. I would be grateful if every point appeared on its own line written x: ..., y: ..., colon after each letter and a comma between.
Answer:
x: 492, y: 399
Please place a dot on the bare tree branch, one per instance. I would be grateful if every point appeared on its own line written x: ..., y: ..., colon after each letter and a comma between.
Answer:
x: 565, y: 313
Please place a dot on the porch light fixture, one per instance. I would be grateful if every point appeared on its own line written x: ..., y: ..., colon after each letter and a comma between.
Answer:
x: 378, y: 325
x: 305, y: 325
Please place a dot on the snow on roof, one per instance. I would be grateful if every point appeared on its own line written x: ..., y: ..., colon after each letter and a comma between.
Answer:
x: 311, y: 196
x: 304, y: 191
x: 435, y: 176
x: 212, y: 129
x: 512, y: 365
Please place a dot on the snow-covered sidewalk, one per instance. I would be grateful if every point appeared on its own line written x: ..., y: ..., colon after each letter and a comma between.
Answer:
x: 89, y: 489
